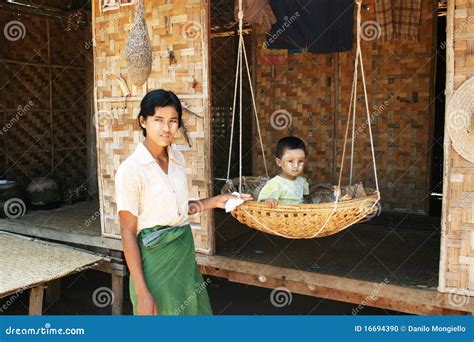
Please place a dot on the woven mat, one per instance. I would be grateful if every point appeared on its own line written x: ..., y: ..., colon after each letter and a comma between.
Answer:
x: 460, y: 120
x: 26, y: 263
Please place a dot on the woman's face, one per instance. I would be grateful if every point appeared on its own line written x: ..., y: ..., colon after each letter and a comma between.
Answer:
x: 292, y: 163
x: 162, y: 126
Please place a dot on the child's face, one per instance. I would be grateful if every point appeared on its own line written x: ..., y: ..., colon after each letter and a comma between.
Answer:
x: 292, y: 162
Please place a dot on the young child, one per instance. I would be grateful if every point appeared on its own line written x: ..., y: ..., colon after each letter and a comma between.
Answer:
x: 288, y: 187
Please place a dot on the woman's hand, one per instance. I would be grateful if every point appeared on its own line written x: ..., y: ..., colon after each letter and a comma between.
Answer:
x: 146, y: 305
x: 220, y: 200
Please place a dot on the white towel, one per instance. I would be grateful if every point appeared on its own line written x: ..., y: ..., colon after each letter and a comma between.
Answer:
x: 233, y: 203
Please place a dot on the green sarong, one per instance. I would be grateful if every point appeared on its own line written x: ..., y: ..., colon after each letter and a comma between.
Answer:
x: 171, y: 272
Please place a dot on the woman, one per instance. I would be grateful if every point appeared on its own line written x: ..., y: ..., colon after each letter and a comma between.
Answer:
x: 153, y: 207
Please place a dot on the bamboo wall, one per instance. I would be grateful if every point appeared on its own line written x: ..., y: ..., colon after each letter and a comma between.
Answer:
x: 315, y: 90
x: 43, y: 114
x: 179, y: 26
x: 457, y: 244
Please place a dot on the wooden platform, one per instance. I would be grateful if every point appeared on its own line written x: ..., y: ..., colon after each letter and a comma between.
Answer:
x: 363, y: 293
x: 31, y: 264
x: 78, y: 223
x: 376, y: 253
x: 391, y: 262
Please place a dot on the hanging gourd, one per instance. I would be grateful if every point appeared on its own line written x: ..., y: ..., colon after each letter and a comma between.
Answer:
x: 138, y: 52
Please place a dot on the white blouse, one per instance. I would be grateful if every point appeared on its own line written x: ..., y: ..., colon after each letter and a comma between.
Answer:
x: 143, y: 189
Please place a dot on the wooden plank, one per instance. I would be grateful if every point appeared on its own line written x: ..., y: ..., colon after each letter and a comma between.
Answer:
x: 117, y: 290
x: 57, y: 235
x: 388, y: 296
x: 446, y: 147
x: 36, y: 301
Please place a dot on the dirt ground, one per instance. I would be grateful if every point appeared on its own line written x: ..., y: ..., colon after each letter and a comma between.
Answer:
x: 227, y: 298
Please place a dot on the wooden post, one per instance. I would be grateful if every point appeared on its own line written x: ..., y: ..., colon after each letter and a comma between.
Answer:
x: 447, y: 147
x: 36, y: 301
x: 117, y: 290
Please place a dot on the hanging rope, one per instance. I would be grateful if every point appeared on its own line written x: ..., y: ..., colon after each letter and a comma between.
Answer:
x: 352, y: 111
x: 238, y: 85
x: 241, y: 57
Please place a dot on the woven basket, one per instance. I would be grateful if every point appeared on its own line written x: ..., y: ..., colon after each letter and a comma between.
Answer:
x: 138, y: 52
x: 460, y: 120
x: 301, y: 221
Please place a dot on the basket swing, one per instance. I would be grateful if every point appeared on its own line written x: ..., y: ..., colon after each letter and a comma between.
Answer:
x: 301, y: 221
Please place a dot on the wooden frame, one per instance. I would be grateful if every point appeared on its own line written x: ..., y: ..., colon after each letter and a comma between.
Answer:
x: 398, y: 298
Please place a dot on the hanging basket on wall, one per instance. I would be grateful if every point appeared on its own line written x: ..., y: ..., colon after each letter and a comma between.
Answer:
x: 138, y: 50
x: 460, y: 118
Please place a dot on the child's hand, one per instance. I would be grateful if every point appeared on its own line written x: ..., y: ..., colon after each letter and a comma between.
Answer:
x: 271, y: 202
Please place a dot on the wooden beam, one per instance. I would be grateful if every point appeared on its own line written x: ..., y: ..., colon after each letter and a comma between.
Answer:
x: 59, y: 235
x: 447, y: 146
x: 382, y: 295
x: 117, y: 290
x: 36, y: 301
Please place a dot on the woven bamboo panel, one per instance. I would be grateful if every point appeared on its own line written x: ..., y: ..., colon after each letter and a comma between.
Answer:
x: 224, y: 60
x: 179, y: 27
x: 302, y: 92
x: 69, y: 130
x: 397, y: 72
x: 457, y: 254
x: 32, y: 132
x: 62, y: 51
x: 69, y: 165
x: 33, y: 47
x: 24, y: 84
x: 40, y: 140
x: 69, y: 89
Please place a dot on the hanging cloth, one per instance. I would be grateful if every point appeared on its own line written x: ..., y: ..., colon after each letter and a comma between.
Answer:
x: 398, y: 19
x: 256, y: 12
x: 320, y: 26
x: 138, y: 50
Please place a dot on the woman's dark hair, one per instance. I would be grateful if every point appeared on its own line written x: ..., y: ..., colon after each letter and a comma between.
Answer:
x: 159, y: 98
x: 289, y: 143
